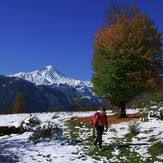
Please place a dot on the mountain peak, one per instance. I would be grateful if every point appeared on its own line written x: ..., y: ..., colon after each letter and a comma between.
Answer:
x: 45, y: 76
x: 50, y: 67
x: 48, y: 75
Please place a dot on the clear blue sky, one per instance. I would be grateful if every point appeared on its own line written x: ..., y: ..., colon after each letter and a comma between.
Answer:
x: 38, y: 33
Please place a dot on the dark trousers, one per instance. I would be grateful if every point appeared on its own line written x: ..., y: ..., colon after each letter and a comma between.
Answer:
x: 100, y: 131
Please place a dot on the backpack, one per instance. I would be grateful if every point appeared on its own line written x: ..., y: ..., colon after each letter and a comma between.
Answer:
x: 94, y: 116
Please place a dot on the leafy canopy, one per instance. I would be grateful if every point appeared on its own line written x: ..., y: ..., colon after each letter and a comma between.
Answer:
x: 127, y: 57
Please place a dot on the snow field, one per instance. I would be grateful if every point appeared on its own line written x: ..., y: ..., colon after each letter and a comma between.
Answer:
x: 19, y: 148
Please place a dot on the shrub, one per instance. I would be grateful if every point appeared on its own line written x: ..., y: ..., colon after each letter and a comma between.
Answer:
x: 144, y: 116
x: 46, y: 130
x: 74, y: 118
x: 34, y: 121
x: 28, y: 124
x: 134, y: 128
x: 55, y: 116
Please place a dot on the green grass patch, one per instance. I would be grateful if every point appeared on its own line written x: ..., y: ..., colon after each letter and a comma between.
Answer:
x: 47, y: 156
x: 126, y: 154
x: 152, y: 140
x: 141, y: 138
x: 73, y: 132
x: 129, y: 136
x: 113, y: 130
x: 148, y: 131
x: 156, y: 149
x: 6, y: 138
x: 122, y: 128
x: 39, y: 154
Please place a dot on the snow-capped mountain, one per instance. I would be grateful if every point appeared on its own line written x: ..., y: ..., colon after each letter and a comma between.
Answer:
x: 55, y: 89
x: 48, y: 76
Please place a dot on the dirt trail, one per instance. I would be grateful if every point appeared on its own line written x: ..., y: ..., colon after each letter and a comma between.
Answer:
x: 111, y: 119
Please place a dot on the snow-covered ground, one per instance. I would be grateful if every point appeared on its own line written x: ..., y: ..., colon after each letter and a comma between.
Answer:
x: 18, y: 147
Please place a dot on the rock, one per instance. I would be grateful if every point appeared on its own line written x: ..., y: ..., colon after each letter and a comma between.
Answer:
x: 5, y: 130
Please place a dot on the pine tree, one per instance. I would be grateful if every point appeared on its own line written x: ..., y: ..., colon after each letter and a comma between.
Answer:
x: 127, y: 57
x: 20, y: 103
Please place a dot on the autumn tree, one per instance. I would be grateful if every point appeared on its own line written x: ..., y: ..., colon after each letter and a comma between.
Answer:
x: 20, y: 103
x: 127, y: 58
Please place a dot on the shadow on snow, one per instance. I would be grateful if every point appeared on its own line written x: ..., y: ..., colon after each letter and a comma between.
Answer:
x: 122, y: 145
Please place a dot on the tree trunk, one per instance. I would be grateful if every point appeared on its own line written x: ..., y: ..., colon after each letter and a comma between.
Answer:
x: 123, y: 110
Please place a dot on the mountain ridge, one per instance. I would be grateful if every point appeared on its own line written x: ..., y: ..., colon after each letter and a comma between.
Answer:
x: 47, y: 88
x: 48, y: 75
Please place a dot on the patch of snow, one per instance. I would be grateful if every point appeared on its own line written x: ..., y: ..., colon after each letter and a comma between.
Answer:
x: 62, y: 151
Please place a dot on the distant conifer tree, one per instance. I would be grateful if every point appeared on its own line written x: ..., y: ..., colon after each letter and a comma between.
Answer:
x: 20, y: 103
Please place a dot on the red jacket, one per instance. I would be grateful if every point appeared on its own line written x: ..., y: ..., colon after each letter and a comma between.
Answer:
x: 100, y: 121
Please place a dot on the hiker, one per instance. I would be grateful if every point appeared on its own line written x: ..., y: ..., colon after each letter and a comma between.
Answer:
x: 99, y: 121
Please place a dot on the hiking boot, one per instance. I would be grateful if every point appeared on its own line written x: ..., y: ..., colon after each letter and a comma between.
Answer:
x: 94, y: 145
x: 100, y: 149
